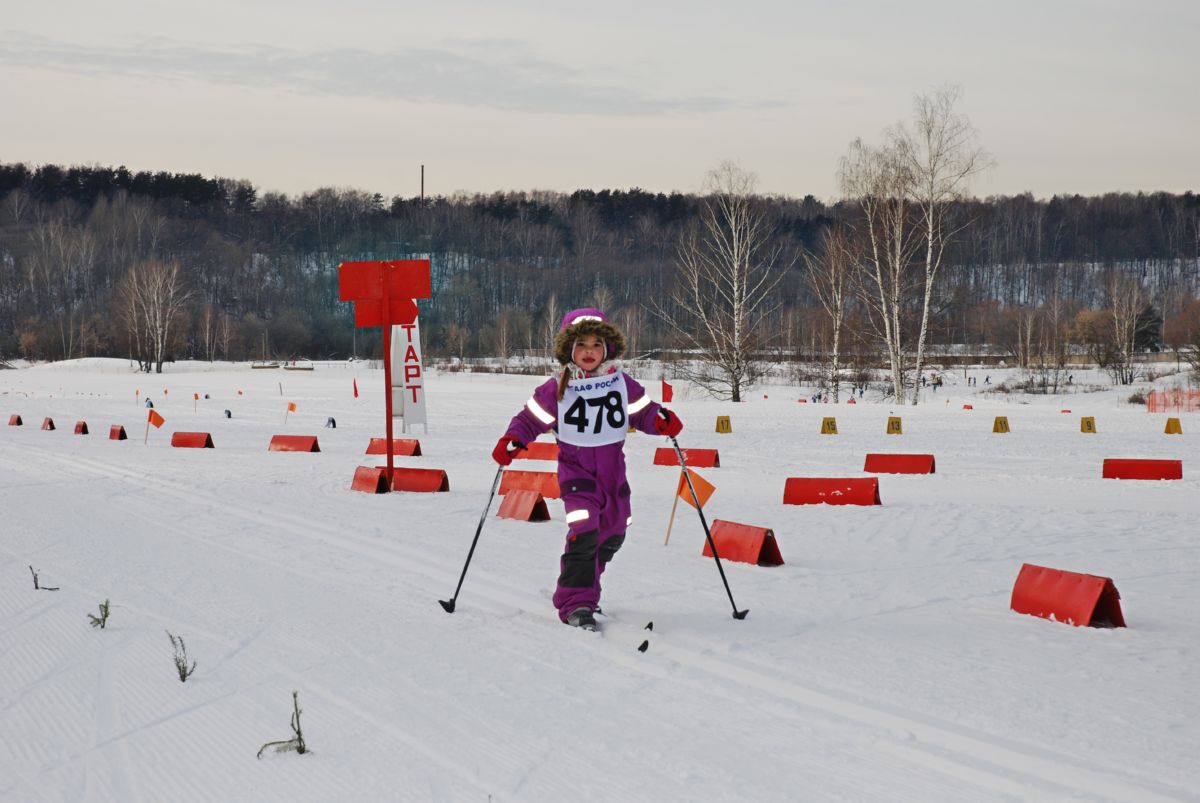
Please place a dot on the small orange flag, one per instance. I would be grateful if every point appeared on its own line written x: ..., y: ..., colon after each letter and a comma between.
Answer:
x: 704, y: 488
x: 196, y: 396
x: 156, y: 419
x: 291, y: 407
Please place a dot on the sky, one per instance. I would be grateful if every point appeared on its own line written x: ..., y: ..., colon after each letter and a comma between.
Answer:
x: 1068, y: 96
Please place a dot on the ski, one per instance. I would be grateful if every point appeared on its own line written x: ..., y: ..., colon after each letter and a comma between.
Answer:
x: 645, y: 643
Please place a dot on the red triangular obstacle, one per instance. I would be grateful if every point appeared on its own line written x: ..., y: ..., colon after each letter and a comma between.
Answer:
x: 544, y: 482
x: 900, y: 464
x: 117, y: 433
x: 1118, y: 469
x: 81, y: 428
x: 401, y: 447
x: 744, y: 543
x: 420, y: 480
x: 524, y: 506
x: 1076, y: 599
x: 293, y: 443
x: 694, y: 458
x: 369, y: 479
x: 831, y: 491
x: 538, y: 451
x: 192, y: 440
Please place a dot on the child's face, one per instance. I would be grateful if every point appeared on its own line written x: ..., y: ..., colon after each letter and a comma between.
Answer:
x: 588, y: 352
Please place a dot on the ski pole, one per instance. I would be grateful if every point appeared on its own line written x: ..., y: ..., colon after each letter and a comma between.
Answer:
x: 683, y: 466
x: 448, y: 604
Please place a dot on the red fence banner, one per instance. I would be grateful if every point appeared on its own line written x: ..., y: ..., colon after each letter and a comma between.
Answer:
x: 1069, y: 597
x: 831, y: 491
x: 1174, y: 400
x: 899, y: 464
x: 1118, y: 469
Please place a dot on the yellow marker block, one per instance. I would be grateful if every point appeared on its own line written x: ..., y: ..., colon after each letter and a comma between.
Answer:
x: 633, y: 429
x: 828, y: 426
x: 1001, y: 424
x: 723, y: 425
x: 893, y: 427
x: 1087, y: 424
x: 1173, y: 427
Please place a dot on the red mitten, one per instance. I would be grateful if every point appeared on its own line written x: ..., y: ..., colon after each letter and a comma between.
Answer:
x: 668, y: 424
x: 501, y: 454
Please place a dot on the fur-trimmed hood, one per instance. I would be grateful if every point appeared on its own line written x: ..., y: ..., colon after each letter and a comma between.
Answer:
x: 588, y: 321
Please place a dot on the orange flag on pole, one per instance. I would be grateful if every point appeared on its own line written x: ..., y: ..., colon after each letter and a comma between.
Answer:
x: 155, y: 419
x: 668, y: 392
x: 704, y: 488
x: 291, y: 407
x: 356, y: 388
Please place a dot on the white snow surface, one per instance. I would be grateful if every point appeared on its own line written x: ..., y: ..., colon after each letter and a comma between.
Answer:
x: 881, y: 662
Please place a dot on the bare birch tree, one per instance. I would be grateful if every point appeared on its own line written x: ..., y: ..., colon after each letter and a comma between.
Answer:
x: 830, y: 273
x: 905, y: 190
x: 729, y: 265
x: 153, y: 297
x: 878, y: 181
x: 1127, y: 299
x: 550, y: 324
x: 944, y: 158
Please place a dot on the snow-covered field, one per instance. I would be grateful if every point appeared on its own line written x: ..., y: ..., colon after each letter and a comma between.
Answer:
x: 881, y: 662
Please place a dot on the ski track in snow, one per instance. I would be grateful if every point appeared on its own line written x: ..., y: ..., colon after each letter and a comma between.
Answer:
x: 974, y: 758
x: 507, y: 762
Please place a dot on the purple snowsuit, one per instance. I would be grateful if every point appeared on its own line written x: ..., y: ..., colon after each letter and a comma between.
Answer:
x: 594, y: 490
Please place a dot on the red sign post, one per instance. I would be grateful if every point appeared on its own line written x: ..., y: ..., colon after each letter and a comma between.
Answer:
x: 383, y: 293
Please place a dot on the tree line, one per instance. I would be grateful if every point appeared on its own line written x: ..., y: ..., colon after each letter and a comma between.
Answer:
x: 101, y: 261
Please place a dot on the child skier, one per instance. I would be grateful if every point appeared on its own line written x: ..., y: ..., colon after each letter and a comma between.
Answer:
x: 590, y: 407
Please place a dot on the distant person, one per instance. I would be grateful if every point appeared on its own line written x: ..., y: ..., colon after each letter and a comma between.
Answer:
x: 987, y: 380
x: 590, y: 407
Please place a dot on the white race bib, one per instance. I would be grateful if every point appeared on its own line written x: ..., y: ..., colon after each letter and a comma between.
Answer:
x: 593, y: 411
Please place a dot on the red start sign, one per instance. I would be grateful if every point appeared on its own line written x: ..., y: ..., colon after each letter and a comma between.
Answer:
x: 383, y: 291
